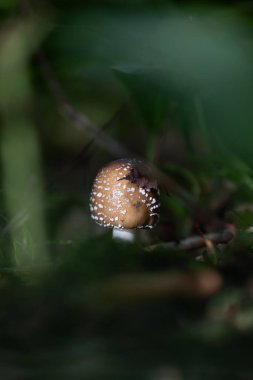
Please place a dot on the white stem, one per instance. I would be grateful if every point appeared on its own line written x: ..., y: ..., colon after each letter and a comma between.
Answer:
x: 125, y: 235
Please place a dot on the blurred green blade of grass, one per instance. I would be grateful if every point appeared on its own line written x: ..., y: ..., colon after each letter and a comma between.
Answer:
x: 20, y: 153
x: 23, y: 191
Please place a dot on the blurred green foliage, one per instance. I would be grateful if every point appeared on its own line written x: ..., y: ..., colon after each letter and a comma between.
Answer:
x: 173, y: 83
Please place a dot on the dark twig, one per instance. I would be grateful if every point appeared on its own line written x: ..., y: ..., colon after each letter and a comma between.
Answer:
x: 109, y: 143
x: 80, y: 120
x: 196, y: 242
x: 86, y: 152
x: 141, y: 286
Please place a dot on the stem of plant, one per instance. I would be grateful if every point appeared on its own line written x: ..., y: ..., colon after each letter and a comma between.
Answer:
x: 124, y: 235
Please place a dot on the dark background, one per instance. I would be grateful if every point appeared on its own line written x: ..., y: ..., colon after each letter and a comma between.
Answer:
x: 170, y: 83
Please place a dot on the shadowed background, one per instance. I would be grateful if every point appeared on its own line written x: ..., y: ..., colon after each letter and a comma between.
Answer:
x: 82, y: 84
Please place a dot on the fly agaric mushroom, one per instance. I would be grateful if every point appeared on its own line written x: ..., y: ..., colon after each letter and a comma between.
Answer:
x: 124, y: 197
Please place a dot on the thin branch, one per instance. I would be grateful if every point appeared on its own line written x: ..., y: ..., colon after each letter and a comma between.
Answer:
x: 109, y: 143
x: 195, y: 242
x: 80, y: 120
x: 126, y: 288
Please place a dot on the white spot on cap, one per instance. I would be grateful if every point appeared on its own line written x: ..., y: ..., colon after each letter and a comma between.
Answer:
x: 117, y: 193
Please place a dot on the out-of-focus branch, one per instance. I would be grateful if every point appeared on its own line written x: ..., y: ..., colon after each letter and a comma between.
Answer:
x: 80, y: 120
x: 109, y: 143
x: 196, y: 242
x: 138, y: 287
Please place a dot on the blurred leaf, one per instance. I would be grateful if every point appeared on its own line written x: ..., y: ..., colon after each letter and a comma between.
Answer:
x: 151, y: 99
x: 194, y: 53
x: 8, y: 4
x: 22, y: 181
x: 244, y: 219
x: 235, y: 169
x: 16, y: 48
x: 184, y: 176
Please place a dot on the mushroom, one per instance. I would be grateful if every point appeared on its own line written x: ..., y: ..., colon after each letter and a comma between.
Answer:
x: 124, y: 197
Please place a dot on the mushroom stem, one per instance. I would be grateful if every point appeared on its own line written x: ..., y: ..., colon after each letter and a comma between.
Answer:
x: 126, y: 235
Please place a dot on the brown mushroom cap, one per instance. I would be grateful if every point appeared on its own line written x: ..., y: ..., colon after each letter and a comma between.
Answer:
x: 124, y: 196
